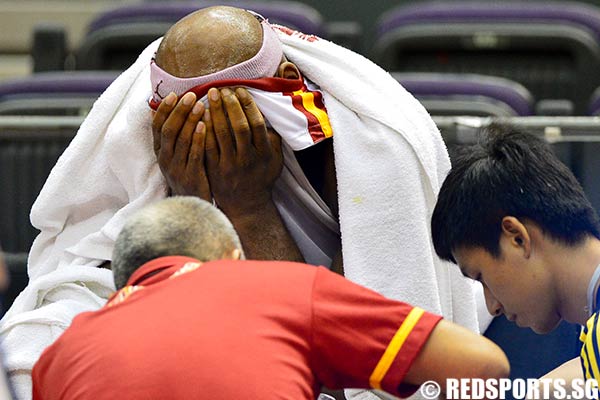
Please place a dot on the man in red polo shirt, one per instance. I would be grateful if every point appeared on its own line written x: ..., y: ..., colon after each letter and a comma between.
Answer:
x: 183, y: 327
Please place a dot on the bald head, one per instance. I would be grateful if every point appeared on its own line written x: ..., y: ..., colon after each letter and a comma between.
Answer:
x: 209, y: 40
x: 177, y: 226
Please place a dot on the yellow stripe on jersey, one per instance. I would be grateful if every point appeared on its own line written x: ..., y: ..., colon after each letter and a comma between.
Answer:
x: 586, y: 366
x: 308, y: 101
x: 590, y: 348
x: 593, y: 349
x: 394, y: 347
x: 582, y: 354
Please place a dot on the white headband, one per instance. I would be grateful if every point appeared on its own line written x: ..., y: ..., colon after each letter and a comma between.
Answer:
x: 263, y: 64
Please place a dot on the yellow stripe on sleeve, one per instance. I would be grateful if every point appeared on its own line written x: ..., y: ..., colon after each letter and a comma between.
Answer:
x: 586, y: 366
x: 591, y: 346
x: 593, y: 362
x: 394, y: 347
x: 308, y: 101
x: 582, y: 355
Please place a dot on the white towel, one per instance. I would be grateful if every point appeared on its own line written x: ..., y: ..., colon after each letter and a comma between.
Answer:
x: 390, y: 163
x: 107, y: 172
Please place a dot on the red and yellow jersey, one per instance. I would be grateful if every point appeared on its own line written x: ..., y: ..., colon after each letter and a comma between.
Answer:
x: 234, y: 329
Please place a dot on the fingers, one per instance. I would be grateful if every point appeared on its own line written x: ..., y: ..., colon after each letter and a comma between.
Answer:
x: 159, y: 118
x: 195, y: 162
x: 255, y: 120
x: 211, y: 148
x: 220, y: 126
x: 196, y: 154
x: 173, y: 126
x: 184, y: 140
x: 239, y: 123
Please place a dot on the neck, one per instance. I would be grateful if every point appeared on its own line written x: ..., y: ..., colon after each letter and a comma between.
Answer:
x: 573, y: 268
x: 317, y: 163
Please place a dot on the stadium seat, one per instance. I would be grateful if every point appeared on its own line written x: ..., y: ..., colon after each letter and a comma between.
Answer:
x: 467, y: 94
x: 29, y: 148
x: 560, y: 132
x: 116, y: 38
x: 552, y: 48
x: 53, y: 93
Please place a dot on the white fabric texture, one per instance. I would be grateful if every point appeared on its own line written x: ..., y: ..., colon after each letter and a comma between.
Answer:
x: 107, y: 172
x: 306, y: 216
x: 390, y: 162
x: 281, y: 115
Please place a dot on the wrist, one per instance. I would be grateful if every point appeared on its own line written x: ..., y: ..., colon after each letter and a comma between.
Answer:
x: 250, y: 210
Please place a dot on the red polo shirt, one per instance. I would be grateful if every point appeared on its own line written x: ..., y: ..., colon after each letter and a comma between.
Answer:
x: 233, y: 330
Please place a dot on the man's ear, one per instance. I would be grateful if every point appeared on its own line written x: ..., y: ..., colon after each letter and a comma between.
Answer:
x: 235, y: 254
x: 517, y: 234
x: 288, y: 70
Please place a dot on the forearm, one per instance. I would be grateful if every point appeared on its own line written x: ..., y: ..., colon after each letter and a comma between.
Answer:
x: 565, y: 374
x: 264, y: 235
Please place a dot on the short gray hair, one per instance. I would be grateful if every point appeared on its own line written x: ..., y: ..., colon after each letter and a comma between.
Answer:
x: 177, y: 226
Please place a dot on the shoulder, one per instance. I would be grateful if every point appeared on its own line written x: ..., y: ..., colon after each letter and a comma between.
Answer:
x: 251, y: 272
x: 270, y: 267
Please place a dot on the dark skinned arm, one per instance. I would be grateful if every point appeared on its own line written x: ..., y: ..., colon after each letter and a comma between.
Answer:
x: 179, y: 138
x: 243, y: 161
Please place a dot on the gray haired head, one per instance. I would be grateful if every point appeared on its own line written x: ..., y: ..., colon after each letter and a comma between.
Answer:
x: 177, y: 226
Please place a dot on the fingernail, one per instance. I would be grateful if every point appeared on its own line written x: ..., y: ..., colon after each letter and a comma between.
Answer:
x: 213, y: 94
x: 170, y: 99
x: 188, y: 98
x: 197, y: 107
x: 226, y: 92
x: 199, y: 127
x: 240, y: 92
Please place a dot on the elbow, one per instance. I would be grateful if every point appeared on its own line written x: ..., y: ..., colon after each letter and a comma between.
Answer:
x: 495, y: 364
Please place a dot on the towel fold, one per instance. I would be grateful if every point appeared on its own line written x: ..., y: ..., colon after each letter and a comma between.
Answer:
x: 390, y: 162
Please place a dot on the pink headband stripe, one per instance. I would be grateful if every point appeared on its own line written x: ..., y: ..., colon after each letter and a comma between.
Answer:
x: 264, y: 64
x: 281, y: 85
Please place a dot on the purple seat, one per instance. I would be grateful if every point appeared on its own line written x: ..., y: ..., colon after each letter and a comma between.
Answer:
x: 116, y: 38
x: 58, y: 82
x: 552, y: 48
x: 468, y: 94
x: 53, y: 93
x: 585, y: 16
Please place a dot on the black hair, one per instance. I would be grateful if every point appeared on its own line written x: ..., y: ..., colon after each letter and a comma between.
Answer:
x: 508, y: 172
